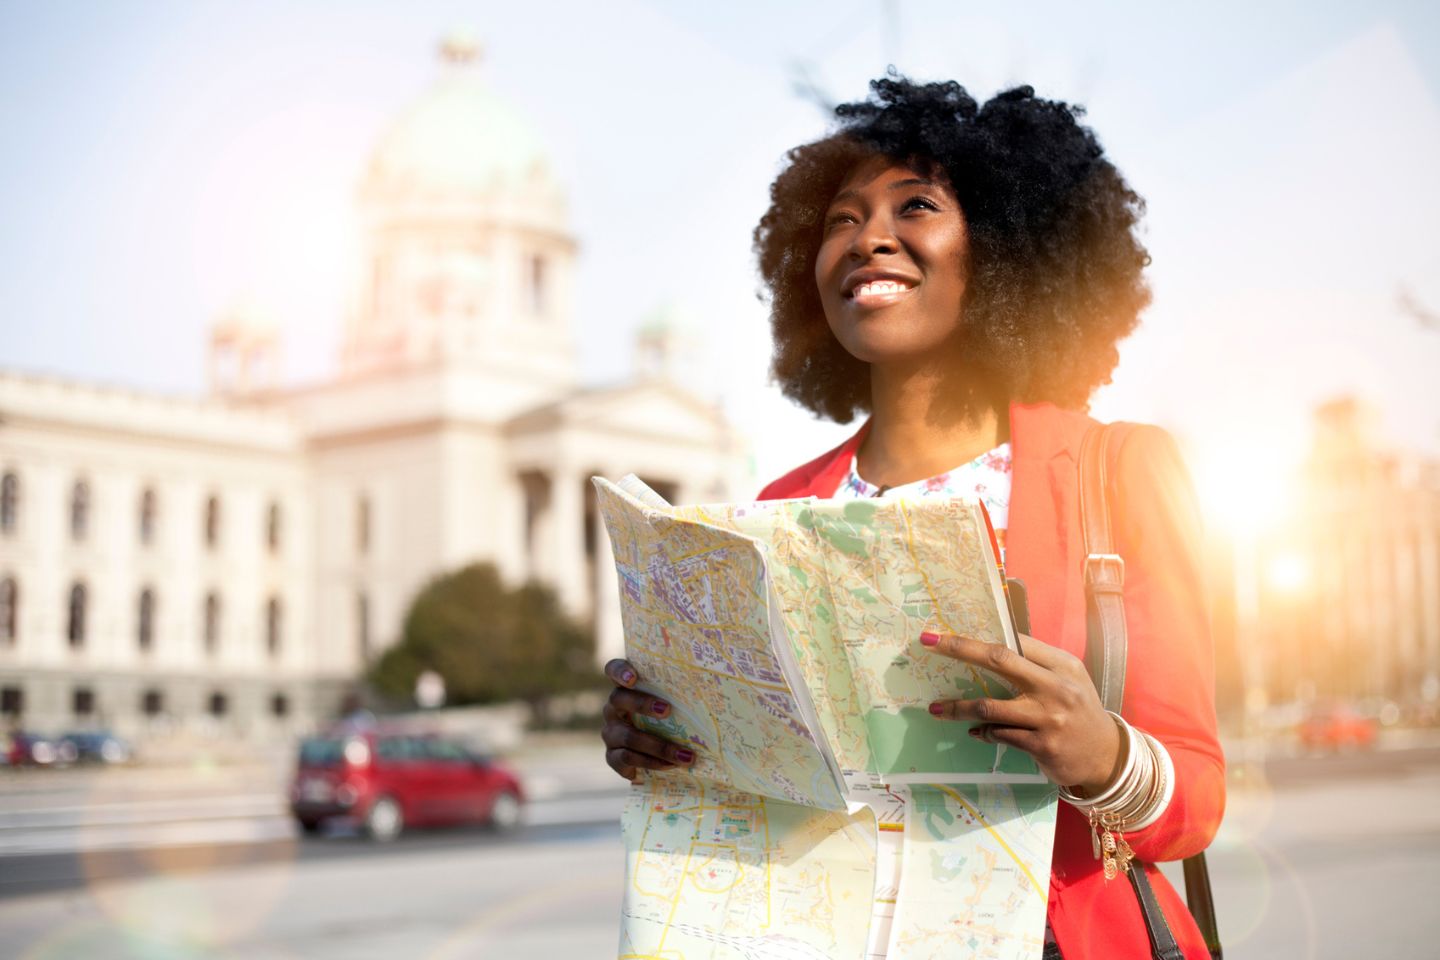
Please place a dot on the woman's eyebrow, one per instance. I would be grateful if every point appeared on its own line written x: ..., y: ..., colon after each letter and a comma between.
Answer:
x: 897, y: 185
x: 912, y: 182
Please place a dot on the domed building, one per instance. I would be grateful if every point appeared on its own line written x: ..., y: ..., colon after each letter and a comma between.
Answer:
x: 230, y: 564
x: 467, y: 251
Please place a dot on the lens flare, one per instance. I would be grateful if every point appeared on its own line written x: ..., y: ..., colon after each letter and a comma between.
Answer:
x: 478, y: 937
x: 180, y: 883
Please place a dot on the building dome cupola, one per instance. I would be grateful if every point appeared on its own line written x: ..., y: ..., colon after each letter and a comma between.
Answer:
x: 458, y: 140
x: 466, y: 253
x: 244, y: 358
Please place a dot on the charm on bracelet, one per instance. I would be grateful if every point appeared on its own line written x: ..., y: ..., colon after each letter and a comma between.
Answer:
x: 1134, y: 800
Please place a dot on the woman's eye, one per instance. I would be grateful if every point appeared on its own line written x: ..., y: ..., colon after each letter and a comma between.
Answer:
x: 836, y: 219
x: 918, y: 203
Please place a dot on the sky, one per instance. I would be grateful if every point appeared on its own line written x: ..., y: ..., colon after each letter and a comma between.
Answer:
x: 164, y: 161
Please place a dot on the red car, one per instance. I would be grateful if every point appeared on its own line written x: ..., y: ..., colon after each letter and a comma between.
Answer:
x: 388, y: 781
x: 28, y: 750
x: 1336, y: 727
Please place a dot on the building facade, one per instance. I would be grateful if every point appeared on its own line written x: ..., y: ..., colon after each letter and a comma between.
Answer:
x: 1340, y: 602
x: 232, y: 563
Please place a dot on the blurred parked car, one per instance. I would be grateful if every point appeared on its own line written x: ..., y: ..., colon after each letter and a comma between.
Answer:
x: 390, y: 781
x: 30, y: 750
x: 1336, y: 727
x: 92, y: 746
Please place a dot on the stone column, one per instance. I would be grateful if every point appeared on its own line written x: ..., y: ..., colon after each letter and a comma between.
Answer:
x: 1406, y: 605
x: 567, y: 533
x: 1428, y: 572
x: 609, y: 635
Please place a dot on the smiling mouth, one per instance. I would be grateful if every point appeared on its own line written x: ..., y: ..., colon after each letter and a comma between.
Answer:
x: 877, y: 292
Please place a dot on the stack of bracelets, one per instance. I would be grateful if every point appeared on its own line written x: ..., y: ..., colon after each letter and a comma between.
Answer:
x: 1132, y: 802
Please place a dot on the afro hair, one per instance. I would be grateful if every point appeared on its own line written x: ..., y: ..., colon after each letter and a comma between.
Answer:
x: 1055, y: 261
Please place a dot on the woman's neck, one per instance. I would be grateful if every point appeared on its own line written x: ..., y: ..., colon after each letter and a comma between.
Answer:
x: 925, y: 420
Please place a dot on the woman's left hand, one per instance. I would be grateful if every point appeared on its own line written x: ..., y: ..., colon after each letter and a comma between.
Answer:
x: 1055, y: 716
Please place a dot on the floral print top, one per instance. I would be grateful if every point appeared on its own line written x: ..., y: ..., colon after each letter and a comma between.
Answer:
x: 986, y: 477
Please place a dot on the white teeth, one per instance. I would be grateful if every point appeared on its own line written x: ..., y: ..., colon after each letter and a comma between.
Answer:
x: 876, y: 287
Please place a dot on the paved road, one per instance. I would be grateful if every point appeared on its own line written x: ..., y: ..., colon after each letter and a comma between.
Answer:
x: 58, y: 812
x: 551, y: 893
x: 1335, y: 858
x: 1322, y: 858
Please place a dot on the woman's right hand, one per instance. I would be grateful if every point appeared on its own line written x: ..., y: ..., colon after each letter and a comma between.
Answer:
x: 627, y: 749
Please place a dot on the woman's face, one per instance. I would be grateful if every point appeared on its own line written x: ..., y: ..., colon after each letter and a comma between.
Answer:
x: 892, y: 263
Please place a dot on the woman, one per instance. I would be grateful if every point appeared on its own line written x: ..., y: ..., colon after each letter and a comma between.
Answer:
x: 962, y: 274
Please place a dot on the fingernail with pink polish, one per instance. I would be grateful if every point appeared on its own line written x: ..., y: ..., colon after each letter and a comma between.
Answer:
x: 627, y: 676
x: 929, y: 639
x: 659, y: 708
x: 936, y: 709
x: 684, y: 756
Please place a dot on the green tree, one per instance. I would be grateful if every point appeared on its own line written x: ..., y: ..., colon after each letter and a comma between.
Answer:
x: 489, y: 642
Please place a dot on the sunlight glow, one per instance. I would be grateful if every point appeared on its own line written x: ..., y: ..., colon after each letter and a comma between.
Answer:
x: 1287, y: 572
x: 1243, y: 487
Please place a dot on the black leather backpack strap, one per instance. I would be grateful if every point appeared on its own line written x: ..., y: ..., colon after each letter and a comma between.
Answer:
x: 1202, y: 902
x: 1106, y: 642
x: 1105, y: 647
x: 1162, y: 939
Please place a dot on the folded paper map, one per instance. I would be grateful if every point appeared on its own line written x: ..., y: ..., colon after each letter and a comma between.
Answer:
x: 828, y: 814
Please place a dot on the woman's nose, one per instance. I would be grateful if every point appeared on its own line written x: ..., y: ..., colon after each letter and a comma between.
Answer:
x: 873, y: 238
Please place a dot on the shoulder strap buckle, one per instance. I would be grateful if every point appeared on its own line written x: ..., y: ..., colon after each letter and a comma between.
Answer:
x: 1105, y: 572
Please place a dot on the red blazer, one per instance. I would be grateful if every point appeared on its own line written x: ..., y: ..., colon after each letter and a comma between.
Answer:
x: 1170, y: 674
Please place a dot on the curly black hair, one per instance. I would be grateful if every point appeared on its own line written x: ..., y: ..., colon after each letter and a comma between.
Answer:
x: 1055, y: 261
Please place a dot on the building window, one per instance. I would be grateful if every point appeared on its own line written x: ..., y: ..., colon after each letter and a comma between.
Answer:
x: 274, y: 613
x: 212, y: 522
x: 152, y: 703
x: 535, y: 284
x: 212, y: 622
x: 280, y: 706
x: 219, y: 704
x: 145, y: 620
x: 9, y: 503
x: 272, y: 527
x: 9, y: 604
x: 82, y: 701
x: 362, y: 524
x: 669, y: 490
x: 75, y: 621
x: 12, y: 701
x: 362, y: 625
x: 79, y: 510
x: 147, y: 517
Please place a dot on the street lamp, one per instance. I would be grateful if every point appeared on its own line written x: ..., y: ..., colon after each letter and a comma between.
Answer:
x: 429, y: 690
